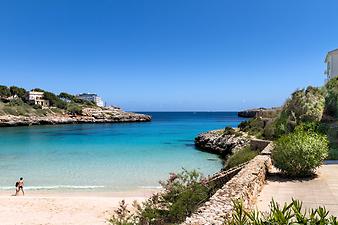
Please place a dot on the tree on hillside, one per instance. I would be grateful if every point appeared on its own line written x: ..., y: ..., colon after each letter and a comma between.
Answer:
x: 4, y: 91
x: 38, y: 89
x: 54, y: 100
x: 66, y: 96
x: 20, y: 92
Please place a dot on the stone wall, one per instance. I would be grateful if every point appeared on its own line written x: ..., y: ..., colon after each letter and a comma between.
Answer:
x: 220, y: 178
x: 247, y: 184
x: 258, y: 144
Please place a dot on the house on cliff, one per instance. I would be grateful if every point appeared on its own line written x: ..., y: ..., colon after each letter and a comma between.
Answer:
x: 331, y: 61
x: 37, y: 97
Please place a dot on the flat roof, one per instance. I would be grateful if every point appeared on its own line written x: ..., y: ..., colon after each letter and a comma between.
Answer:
x: 330, y: 52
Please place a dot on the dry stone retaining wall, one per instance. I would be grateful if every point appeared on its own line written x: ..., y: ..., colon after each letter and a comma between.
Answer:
x: 247, y: 184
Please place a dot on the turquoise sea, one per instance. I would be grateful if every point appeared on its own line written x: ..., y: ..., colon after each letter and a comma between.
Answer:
x: 108, y: 157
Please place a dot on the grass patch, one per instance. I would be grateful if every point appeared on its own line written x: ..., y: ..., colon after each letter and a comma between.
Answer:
x: 241, y: 156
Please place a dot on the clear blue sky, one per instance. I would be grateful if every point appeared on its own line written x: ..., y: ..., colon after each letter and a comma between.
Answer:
x: 168, y: 54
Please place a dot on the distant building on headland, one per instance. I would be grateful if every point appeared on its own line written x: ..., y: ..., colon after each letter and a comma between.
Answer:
x: 331, y: 61
x: 91, y: 97
x: 36, y: 97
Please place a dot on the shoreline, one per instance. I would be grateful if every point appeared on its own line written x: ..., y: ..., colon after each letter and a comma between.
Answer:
x: 71, y: 208
x: 20, y: 121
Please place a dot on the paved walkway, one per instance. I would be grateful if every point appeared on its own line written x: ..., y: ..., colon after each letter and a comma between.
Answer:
x: 319, y: 191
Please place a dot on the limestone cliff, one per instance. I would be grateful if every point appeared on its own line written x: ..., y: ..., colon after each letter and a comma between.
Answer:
x: 88, y: 115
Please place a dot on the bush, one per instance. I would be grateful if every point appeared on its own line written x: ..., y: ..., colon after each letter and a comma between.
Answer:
x: 20, y: 92
x: 241, y: 156
x: 16, y: 102
x: 292, y: 213
x: 74, y: 109
x: 331, y: 100
x: 4, y: 91
x: 122, y: 216
x: 54, y: 100
x: 300, y: 153
x: 253, y: 126
x: 182, y: 194
x: 303, y: 106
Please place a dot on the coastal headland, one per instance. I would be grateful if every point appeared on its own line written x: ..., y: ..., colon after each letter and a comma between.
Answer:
x: 19, y: 107
x: 88, y: 115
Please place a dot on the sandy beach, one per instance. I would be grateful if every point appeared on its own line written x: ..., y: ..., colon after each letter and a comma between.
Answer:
x: 43, y: 207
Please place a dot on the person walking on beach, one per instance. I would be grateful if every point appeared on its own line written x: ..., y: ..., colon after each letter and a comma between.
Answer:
x: 19, y: 186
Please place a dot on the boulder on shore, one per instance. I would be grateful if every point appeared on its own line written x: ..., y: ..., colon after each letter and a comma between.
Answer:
x: 221, y: 143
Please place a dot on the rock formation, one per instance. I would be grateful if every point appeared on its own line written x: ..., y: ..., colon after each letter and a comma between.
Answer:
x: 220, y: 142
x: 89, y: 115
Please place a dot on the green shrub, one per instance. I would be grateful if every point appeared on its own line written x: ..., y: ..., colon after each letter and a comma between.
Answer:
x: 74, y: 109
x: 122, y: 216
x: 16, y: 102
x: 4, y: 91
x: 254, y: 126
x: 20, y: 92
x: 292, y: 213
x: 182, y: 194
x: 331, y: 100
x: 300, y: 153
x: 54, y: 100
x: 303, y: 106
x: 241, y: 156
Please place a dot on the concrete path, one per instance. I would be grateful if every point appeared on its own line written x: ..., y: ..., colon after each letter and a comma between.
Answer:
x: 319, y: 191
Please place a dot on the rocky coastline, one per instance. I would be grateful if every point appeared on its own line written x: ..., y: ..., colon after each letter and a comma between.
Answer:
x: 89, y: 115
x: 221, y: 142
x: 260, y: 112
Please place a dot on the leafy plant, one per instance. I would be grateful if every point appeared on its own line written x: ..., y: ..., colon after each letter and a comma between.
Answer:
x: 292, y: 213
x: 331, y: 100
x: 54, y: 100
x: 241, y: 156
x: 303, y: 106
x: 182, y: 194
x: 122, y: 215
x: 4, y: 91
x: 300, y: 153
x: 74, y: 109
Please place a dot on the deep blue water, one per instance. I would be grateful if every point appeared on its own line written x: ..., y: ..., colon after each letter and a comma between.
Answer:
x: 113, y: 157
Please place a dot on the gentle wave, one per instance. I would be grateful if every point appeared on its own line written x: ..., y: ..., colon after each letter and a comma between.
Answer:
x: 53, y: 187
x: 150, y: 187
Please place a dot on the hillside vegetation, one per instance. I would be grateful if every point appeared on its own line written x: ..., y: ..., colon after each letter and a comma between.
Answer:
x: 13, y: 102
x: 311, y: 109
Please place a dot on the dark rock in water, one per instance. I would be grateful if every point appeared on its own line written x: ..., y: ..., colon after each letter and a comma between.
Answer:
x: 251, y: 113
x: 219, y: 143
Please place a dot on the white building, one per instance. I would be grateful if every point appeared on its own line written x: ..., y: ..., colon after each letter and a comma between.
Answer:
x: 331, y: 61
x: 91, y: 97
x: 37, y: 98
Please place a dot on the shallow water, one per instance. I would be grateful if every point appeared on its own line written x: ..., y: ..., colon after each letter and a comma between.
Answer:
x: 108, y: 157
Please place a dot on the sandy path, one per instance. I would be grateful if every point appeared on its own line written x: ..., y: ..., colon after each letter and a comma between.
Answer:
x: 62, y: 208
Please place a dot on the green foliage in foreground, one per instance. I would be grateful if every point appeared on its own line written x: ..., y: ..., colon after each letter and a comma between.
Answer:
x: 331, y: 100
x: 292, y: 213
x: 241, y: 156
x: 182, y: 194
x: 300, y: 153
